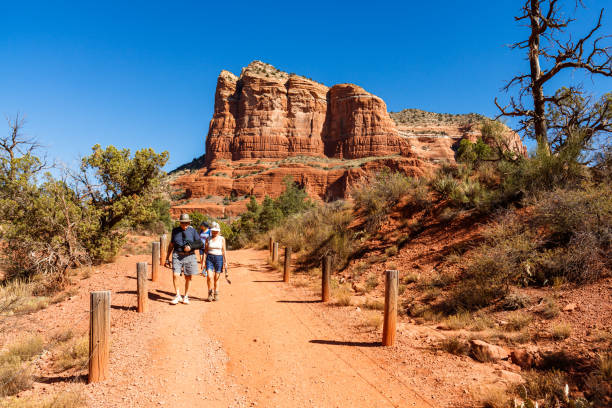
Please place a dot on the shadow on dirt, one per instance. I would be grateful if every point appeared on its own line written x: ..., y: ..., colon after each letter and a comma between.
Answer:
x: 347, y: 343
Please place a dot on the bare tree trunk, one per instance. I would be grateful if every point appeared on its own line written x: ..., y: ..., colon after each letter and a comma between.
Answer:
x: 537, y: 91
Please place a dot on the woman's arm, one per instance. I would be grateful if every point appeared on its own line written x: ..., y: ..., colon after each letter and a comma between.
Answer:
x: 224, y: 256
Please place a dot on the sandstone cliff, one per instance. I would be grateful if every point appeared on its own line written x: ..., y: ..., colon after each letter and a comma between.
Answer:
x: 269, y: 113
x: 268, y: 124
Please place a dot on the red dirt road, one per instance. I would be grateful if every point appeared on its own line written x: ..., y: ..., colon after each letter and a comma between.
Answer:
x: 265, y: 343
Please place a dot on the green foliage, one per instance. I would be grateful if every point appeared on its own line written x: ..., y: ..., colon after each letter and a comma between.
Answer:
x: 473, y: 153
x: 376, y: 198
x: 320, y: 231
x: 49, y: 225
x: 568, y: 235
x: 261, y: 218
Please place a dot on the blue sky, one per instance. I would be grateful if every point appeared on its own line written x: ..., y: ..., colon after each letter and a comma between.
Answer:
x: 143, y: 73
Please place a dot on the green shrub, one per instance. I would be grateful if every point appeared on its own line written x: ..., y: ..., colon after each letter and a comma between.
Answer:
x: 261, y: 218
x: 377, y: 197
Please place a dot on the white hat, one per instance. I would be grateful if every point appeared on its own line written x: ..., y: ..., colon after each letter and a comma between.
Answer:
x: 215, y: 227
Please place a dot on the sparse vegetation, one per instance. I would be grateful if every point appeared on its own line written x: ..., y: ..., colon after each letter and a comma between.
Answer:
x: 73, y: 354
x: 518, y: 320
x: 455, y: 345
x: 561, y: 331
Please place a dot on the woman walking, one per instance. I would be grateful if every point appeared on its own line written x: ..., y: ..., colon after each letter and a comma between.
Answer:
x: 215, y: 260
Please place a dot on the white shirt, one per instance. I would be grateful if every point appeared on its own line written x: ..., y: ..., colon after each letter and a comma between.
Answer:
x: 215, y: 245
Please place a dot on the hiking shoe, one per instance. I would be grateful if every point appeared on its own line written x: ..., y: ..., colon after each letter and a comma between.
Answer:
x: 210, y: 296
x: 186, y: 300
x: 216, y: 295
x: 177, y: 299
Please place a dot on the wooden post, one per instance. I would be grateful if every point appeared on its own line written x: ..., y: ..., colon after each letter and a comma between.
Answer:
x: 163, y: 249
x: 270, y: 246
x: 391, y: 284
x: 275, y: 252
x: 99, y: 335
x: 325, y: 277
x: 287, y: 264
x: 155, y: 261
x: 143, y: 294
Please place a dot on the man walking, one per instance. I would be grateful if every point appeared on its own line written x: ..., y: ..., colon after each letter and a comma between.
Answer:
x: 183, y: 244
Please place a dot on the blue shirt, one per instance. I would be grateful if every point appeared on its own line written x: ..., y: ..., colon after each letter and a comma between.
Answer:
x: 177, y: 237
x: 204, y: 235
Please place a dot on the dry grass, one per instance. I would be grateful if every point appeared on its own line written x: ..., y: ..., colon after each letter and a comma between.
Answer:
x: 374, y: 304
x: 391, y: 251
x: 68, y: 399
x: 549, y: 308
x: 24, y: 350
x: 518, y: 320
x: 458, y: 321
x: 605, y: 367
x: 372, y: 320
x: 14, y: 377
x: 74, y: 354
x: 16, y: 296
x: 454, y: 345
x: 561, y: 331
x: 342, y: 295
x: 62, y: 336
x: 494, y: 398
x: 411, y: 277
x: 371, y: 283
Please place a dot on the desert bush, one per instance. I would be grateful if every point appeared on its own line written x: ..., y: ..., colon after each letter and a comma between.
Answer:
x: 372, y: 319
x: 374, y: 304
x: 343, y: 296
x: 518, y: 320
x: 371, y: 283
x: 375, y: 198
x: 549, y: 308
x: 515, y: 301
x: 472, y: 153
x: 14, y: 376
x: 494, y: 398
x: 444, y: 184
x: 74, y: 354
x: 455, y: 345
x: 561, y: 331
x: 271, y: 213
x: 391, y: 251
x: 411, y: 278
x: 547, y: 385
x: 15, y: 373
x: 459, y: 321
x: 24, y: 350
x: 321, y: 231
x: 79, y: 218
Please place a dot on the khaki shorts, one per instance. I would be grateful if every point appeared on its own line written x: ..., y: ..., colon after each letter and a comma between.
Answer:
x: 185, y: 264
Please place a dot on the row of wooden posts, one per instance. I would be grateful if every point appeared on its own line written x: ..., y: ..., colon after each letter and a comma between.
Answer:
x: 100, y: 301
x: 99, y: 315
x: 391, y: 289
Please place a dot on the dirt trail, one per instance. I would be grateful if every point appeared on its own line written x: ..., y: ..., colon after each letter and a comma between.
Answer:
x: 263, y: 344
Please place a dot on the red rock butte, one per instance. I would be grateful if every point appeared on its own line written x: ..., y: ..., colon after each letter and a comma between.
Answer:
x: 268, y: 124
